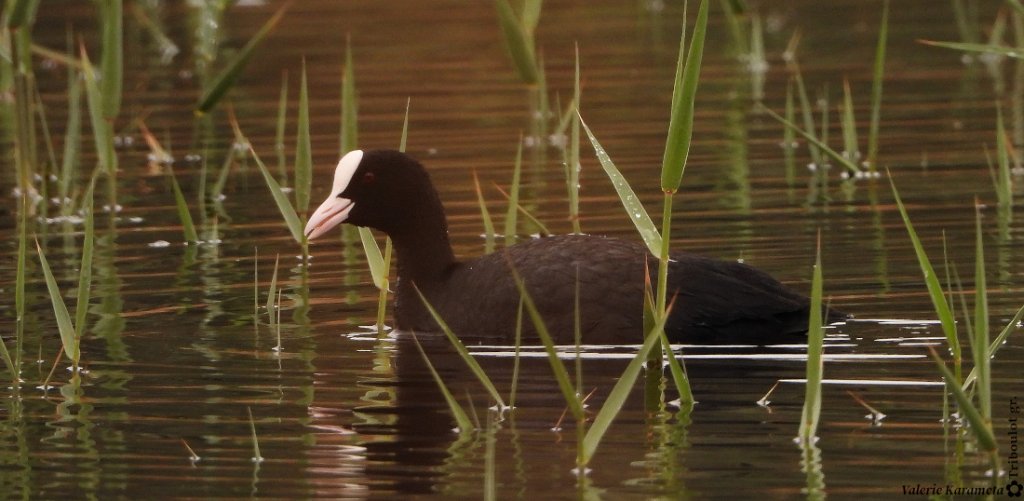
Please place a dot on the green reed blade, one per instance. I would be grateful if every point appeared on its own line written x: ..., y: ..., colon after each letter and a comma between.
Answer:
x: 1017, y: 6
x: 931, y: 280
x: 618, y: 394
x: 112, y: 60
x: 101, y: 128
x: 291, y: 218
x: 684, y: 93
x: 577, y: 331
x: 405, y: 126
x: 980, y: 344
x: 226, y: 78
x: 516, y: 358
x: 679, y: 377
x: 85, y: 269
x: 531, y: 15
x: 980, y: 48
x: 187, y: 225
x: 876, y: 88
x: 982, y: 430
x: 789, y: 137
x: 462, y: 421
x: 282, y: 125
x: 60, y: 310
x: 805, y: 106
x: 518, y: 42
x: 272, y: 292
x: 849, y: 122
x: 823, y: 98
x: 303, y: 150
x: 511, y: 222
x: 485, y: 215
x: 996, y: 344
x: 634, y: 209
x: 573, y: 165
x: 572, y: 399
x: 44, y: 126
x: 815, y: 364
x: 20, y: 13
x: 19, y: 282
x: 490, y: 461
x: 543, y: 230
x: 374, y: 258
x: 349, y: 103
x: 72, y: 142
x: 1004, y: 182
x: 256, y: 456
x: 382, y: 297
x: 822, y: 147
x: 460, y: 348
x: 255, y: 283
x: 733, y: 19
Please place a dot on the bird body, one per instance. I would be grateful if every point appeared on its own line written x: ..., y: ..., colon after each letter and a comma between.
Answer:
x: 715, y: 302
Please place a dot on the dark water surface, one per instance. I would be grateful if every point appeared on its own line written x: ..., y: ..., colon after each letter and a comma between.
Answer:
x: 172, y: 353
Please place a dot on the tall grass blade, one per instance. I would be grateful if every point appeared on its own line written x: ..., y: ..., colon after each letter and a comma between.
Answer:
x: 1004, y: 182
x: 382, y: 297
x: 980, y: 340
x: 572, y: 399
x: 637, y: 214
x: 287, y: 211
x: 573, y: 166
x: 789, y: 137
x: 996, y: 344
x: 680, y: 127
x: 272, y: 294
x: 101, y: 129
x: 349, y: 103
x: 849, y: 122
x: 822, y: 147
x: 112, y: 60
x: 85, y: 269
x: 511, y: 226
x: 282, y: 123
x: 541, y: 228
x: 60, y: 311
x: 931, y: 280
x: 982, y: 431
x: 226, y: 78
x: 20, y: 13
x: 303, y: 150
x: 462, y: 421
x: 471, y: 362
x: 815, y: 364
x: 519, y: 43
x: 72, y: 143
x: 516, y: 358
x: 374, y: 258
x: 980, y: 48
x: 876, y: 88
x: 617, y: 396
x: 485, y: 215
x: 531, y: 15
x: 256, y: 456
x: 405, y: 126
x: 187, y: 225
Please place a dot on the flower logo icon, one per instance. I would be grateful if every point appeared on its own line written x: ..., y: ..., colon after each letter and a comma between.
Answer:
x: 1014, y: 489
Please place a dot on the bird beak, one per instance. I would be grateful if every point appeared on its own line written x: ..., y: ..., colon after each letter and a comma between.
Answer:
x: 331, y: 213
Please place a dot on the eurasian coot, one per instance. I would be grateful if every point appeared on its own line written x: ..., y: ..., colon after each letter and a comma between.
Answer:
x: 718, y: 302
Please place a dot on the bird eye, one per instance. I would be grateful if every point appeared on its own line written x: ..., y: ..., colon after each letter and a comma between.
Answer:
x: 369, y: 178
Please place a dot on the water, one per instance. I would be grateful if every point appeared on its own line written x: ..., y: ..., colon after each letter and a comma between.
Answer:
x: 173, y: 356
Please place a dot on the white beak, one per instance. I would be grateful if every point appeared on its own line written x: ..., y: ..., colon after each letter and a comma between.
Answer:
x: 335, y: 209
x: 331, y: 213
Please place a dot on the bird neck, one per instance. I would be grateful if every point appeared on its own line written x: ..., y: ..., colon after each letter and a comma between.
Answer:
x: 422, y: 247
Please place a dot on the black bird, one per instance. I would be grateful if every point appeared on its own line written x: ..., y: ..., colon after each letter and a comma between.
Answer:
x: 717, y: 302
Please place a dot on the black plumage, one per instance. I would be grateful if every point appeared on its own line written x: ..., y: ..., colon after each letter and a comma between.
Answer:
x: 716, y: 302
